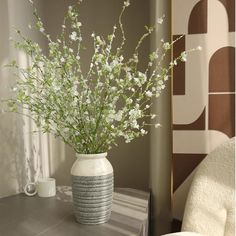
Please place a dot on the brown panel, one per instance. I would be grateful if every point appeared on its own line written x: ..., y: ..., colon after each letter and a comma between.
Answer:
x: 183, y: 165
x: 222, y: 113
x: 179, y: 71
x: 176, y: 226
x: 198, y: 18
x: 230, y: 8
x: 198, y: 124
x: 222, y: 70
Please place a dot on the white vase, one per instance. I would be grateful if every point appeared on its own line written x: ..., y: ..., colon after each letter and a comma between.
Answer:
x: 92, y: 188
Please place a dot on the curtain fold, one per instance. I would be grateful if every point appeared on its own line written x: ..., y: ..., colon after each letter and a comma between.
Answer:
x: 24, y: 155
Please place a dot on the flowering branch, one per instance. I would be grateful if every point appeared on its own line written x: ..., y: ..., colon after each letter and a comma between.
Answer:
x: 89, y: 110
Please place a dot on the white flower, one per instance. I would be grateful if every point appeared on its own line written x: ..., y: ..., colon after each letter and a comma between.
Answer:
x: 153, y: 116
x: 73, y: 36
x: 77, y: 57
x: 114, y: 63
x: 153, y: 56
x: 166, y: 78
x: 160, y: 20
x: 70, y: 8
x: 147, y: 106
x: 42, y: 29
x: 126, y: 3
x: 118, y: 115
x: 79, y: 24
x: 129, y: 76
x: 137, y: 81
x: 92, y: 35
x: 88, y: 101
x: 62, y: 60
x: 75, y: 93
x: 63, y: 26
x: 166, y: 46
x: 143, y: 131
x: 14, y: 89
x: 100, y: 84
x: 71, y: 50
x: 183, y: 56
x: 107, y: 68
x: 113, y: 89
x: 148, y: 93
x: 129, y: 101
x: 142, y: 77
x: 127, y: 140
x: 135, y: 113
x: 157, y: 125
x: 135, y: 124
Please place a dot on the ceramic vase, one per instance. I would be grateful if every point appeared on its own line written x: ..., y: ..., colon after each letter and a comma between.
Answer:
x: 92, y: 188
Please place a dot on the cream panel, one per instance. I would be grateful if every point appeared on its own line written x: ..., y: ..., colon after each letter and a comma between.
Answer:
x: 188, y: 107
x: 197, y: 141
x: 181, y: 13
x: 217, y: 19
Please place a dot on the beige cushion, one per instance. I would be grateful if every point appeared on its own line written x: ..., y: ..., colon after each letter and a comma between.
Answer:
x: 210, y: 205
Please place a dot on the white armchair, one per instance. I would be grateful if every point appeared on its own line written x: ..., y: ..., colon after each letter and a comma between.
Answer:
x: 210, y: 206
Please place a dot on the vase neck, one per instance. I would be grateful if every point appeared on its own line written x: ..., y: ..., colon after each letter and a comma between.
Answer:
x: 91, y: 156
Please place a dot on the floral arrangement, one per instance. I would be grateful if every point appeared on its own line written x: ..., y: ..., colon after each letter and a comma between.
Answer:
x: 89, y: 110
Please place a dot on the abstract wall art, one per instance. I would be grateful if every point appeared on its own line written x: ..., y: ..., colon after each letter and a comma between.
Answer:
x: 203, y: 91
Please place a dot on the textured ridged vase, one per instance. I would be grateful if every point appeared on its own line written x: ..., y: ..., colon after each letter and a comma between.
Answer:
x: 92, y: 188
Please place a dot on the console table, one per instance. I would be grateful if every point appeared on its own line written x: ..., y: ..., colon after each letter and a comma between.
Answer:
x: 34, y: 216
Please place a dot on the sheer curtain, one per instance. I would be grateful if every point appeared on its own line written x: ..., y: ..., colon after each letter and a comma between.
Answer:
x: 24, y: 155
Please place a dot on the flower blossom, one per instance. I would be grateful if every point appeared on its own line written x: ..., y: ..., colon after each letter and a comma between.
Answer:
x: 73, y: 36
x: 148, y: 93
x: 126, y: 3
x: 160, y: 20
x: 166, y: 46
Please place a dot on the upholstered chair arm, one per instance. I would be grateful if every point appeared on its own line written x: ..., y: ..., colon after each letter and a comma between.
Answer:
x: 184, y: 234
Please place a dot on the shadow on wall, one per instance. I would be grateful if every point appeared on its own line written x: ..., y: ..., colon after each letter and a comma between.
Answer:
x: 11, y: 142
x: 62, y: 158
